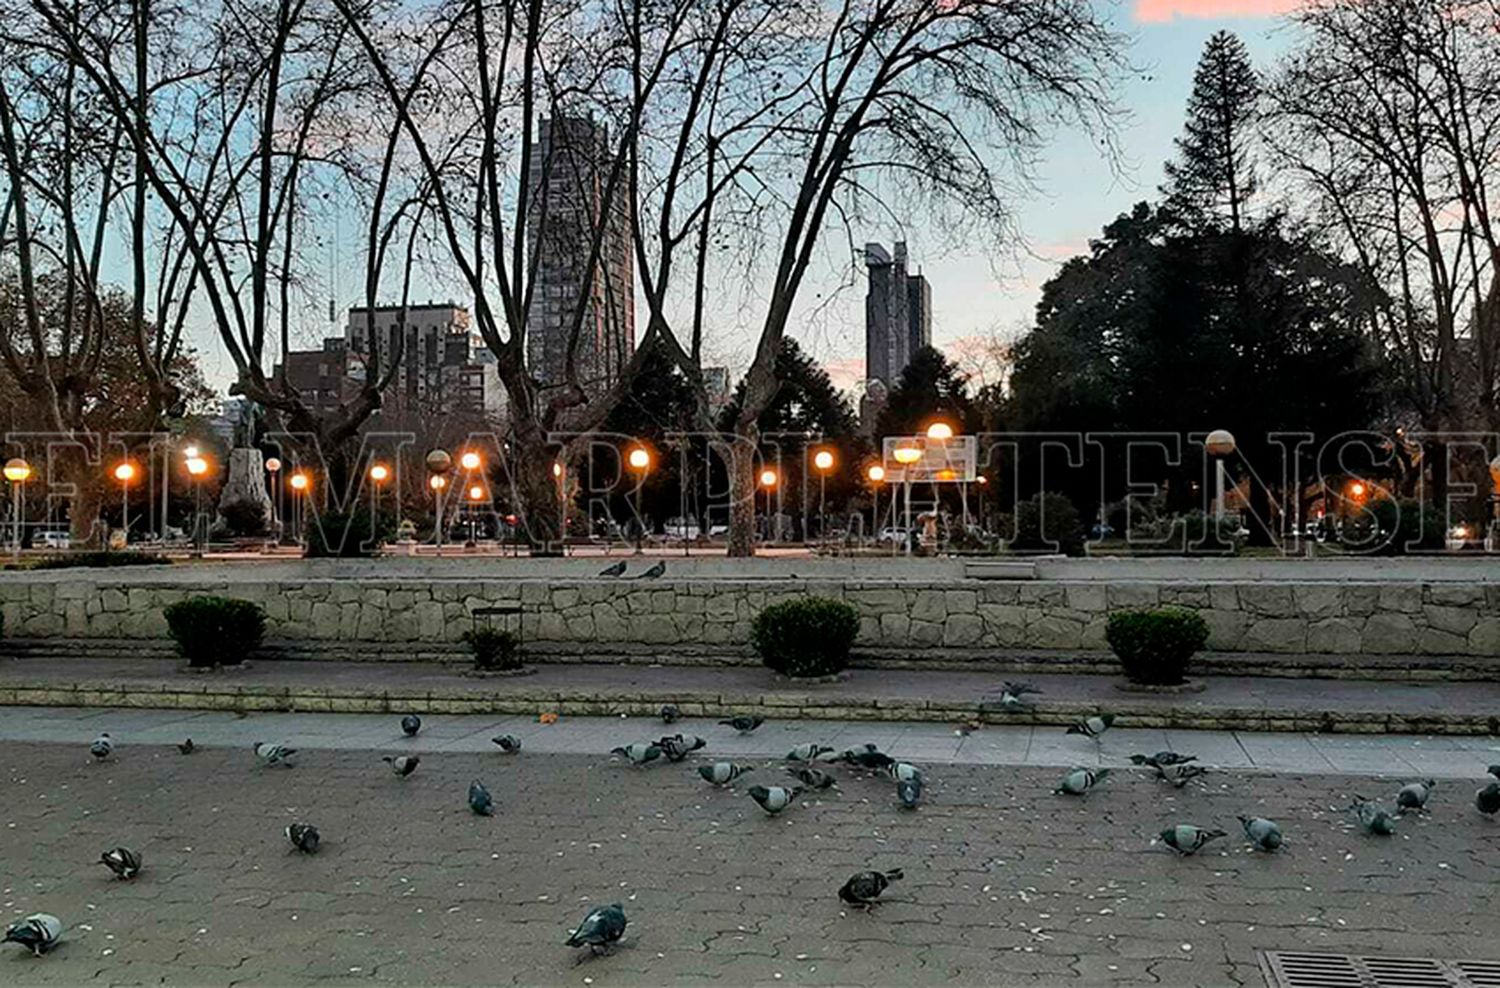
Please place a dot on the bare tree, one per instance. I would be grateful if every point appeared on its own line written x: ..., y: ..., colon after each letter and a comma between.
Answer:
x: 1389, y: 112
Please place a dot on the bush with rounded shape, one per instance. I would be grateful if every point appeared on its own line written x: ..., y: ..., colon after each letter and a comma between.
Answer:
x: 494, y: 649
x: 1155, y: 646
x: 212, y: 631
x: 1048, y: 522
x: 806, y: 637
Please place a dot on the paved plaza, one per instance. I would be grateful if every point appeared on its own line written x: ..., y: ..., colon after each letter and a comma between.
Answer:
x: 1005, y: 882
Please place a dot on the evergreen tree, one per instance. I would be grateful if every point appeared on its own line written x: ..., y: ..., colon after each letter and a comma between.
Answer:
x: 806, y: 400
x: 930, y: 387
x: 1214, y: 174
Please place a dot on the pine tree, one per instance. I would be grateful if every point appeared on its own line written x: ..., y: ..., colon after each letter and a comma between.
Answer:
x: 930, y: 387
x: 1214, y: 173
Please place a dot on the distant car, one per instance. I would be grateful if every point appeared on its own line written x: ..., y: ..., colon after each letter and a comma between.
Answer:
x: 889, y: 534
x: 1101, y: 531
x: 56, y: 540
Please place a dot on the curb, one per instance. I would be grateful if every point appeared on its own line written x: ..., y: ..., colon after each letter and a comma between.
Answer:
x: 522, y: 700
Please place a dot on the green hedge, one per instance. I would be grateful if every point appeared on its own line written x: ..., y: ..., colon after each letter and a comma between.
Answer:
x: 212, y: 631
x: 1155, y: 646
x: 810, y: 636
x: 1048, y: 522
x: 94, y: 559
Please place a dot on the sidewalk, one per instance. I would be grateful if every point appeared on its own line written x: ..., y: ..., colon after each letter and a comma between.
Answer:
x: 1228, y: 703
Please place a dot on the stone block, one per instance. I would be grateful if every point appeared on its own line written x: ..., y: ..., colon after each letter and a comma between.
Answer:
x: 1223, y: 597
x: 1275, y: 635
x: 1127, y: 596
x: 1319, y: 600
x: 1389, y: 634
x: 1337, y: 635
x: 1267, y: 600
x: 1361, y: 599
x: 1455, y: 594
x: 1484, y: 637
x: 1087, y: 597
x: 1451, y: 620
x: 929, y: 605
x: 1435, y: 642
x: 924, y: 633
x: 1194, y: 595
x: 895, y: 629
x: 1053, y: 631
x: 962, y: 629
x: 1402, y: 598
x: 961, y: 601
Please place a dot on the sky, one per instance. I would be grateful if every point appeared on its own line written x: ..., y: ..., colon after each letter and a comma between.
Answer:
x: 976, y: 295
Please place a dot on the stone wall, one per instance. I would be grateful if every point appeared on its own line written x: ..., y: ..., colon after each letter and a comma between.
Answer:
x: 955, y: 615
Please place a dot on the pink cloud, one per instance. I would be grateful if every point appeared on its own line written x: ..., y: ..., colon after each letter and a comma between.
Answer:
x: 1165, y: 11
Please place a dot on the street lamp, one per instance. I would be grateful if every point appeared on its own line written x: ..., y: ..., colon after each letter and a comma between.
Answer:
x: 197, y: 468
x: 379, y: 472
x: 823, y: 460
x: 17, y: 471
x: 470, y: 461
x: 768, y: 481
x: 299, y: 484
x: 125, y: 473
x: 273, y: 467
x: 1219, y: 444
x: 876, y: 475
x: 906, y: 456
x: 437, y: 482
x: 940, y: 431
x: 476, y: 494
x: 640, y: 461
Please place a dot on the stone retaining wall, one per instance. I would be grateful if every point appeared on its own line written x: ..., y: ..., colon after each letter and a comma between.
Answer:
x: 955, y: 615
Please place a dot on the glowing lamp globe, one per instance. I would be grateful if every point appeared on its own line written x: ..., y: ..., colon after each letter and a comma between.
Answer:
x: 17, y: 470
x: 438, y: 461
x: 823, y: 460
x: 1220, y: 442
x: 940, y: 431
x: 876, y: 473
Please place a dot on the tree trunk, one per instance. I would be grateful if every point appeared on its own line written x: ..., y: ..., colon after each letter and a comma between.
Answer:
x: 540, y: 509
x: 84, y: 529
x: 742, y: 497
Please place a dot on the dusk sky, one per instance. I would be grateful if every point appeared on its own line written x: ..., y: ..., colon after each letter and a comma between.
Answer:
x: 975, y: 294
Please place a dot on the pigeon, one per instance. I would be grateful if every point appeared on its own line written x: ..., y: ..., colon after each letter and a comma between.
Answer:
x: 1179, y: 775
x: 1373, y: 819
x: 304, y: 837
x: 403, y: 765
x: 1080, y: 780
x: 600, y: 928
x: 867, y: 757
x: 124, y: 862
x: 1093, y: 727
x: 509, y: 743
x: 676, y: 747
x: 864, y: 888
x: 1162, y: 759
x: 909, y: 791
x: 1413, y: 795
x: 654, y: 573
x: 743, y: 724
x: 480, y: 800
x: 722, y: 773
x: 808, y: 752
x: 1264, y: 834
x: 670, y: 713
x: 1013, y: 695
x: 812, y: 778
x: 903, y: 771
x: 1487, y: 800
x: 273, y: 754
x: 1494, y: 770
x: 410, y: 725
x: 618, y: 569
x: 638, y: 754
x: 38, y: 933
x: 1187, y: 839
x: 774, y: 799
x: 187, y: 747
x: 102, y: 747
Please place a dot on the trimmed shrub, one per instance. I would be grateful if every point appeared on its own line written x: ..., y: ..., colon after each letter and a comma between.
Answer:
x: 1407, y: 526
x: 334, y: 535
x: 1155, y: 646
x: 96, y: 559
x: 810, y: 636
x: 212, y: 631
x: 494, y: 649
x: 1048, y: 522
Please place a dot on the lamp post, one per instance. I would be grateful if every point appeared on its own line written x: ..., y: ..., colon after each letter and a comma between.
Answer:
x: 823, y: 460
x: 876, y: 473
x: 906, y: 456
x: 378, y: 474
x: 273, y: 467
x: 437, y: 482
x: 768, y: 481
x: 197, y: 468
x: 125, y: 473
x: 299, y: 484
x: 17, y: 471
x: 1219, y: 444
x: 640, y: 461
x: 476, y: 494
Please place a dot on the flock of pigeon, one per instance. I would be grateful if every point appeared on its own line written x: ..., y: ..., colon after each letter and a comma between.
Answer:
x: 810, y: 765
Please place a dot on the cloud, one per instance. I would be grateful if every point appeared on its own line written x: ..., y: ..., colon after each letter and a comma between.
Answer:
x: 1166, y: 11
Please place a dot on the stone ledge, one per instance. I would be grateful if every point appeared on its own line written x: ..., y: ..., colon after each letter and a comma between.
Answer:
x: 1192, y: 715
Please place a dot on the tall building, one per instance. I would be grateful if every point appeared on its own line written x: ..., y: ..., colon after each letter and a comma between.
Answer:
x: 568, y: 179
x: 898, y: 313
x: 322, y: 377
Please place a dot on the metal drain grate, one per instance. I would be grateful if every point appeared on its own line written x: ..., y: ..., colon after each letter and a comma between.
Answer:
x: 1291, y: 969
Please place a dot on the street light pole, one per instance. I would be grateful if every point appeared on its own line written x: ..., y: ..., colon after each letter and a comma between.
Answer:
x: 17, y: 471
